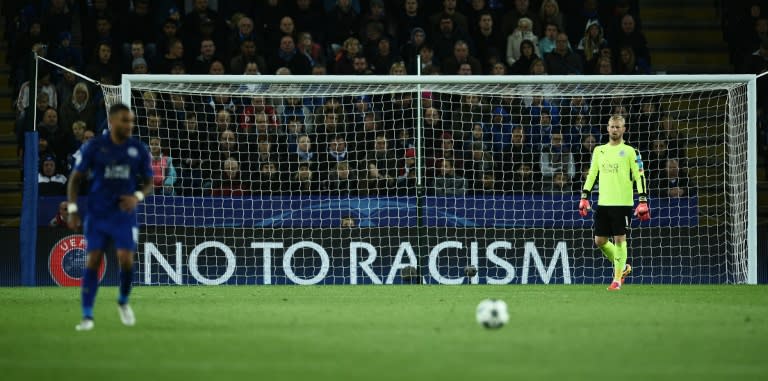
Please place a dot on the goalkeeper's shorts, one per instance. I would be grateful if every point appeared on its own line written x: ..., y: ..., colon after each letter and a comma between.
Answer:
x: 612, y: 220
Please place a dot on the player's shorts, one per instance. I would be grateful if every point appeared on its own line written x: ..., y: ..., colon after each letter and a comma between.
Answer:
x: 612, y: 220
x: 100, y: 231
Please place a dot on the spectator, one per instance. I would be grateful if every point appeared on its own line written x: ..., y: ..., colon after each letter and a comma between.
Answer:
x: 628, y: 63
x: 188, y: 152
x: 49, y: 129
x: 139, y: 66
x: 103, y: 65
x: 523, y: 178
x: 383, y: 157
x: 286, y: 27
x: 577, y: 19
x: 560, y: 183
x: 64, y: 87
x: 341, y: 179
x: 343, y: 23
x: 290, y: 57
x: 247, y: 54
x: 412, y: 48
x: 49, y: 182
x: 348, y: 222
x: 556, y: 157
x: 521, y: 9
x: 217, y: 68
x: 411, y: 18
x: 522, y: 65
x: 398, y: 68
x: 384, y: 58
x: 449, y: 10
x: 360, y: 66
x: 173, y: 56
x: 520, y: 151
x: 548, y: 42
x: 57, y: 19
x: 202, y: 63
x: 673, y: 182
x: 479, y: 161
x: 202, y: 22
x: 590, y: 45
x: 583, y: 156
x: 538, y: 68
x: 374, y: 25
x: 335, y: 153
x: 343, y: 63
x: 521, y: 33
x: 230, y: 183
x: 373, y: 182
x: 164, y: 173
x: 446, y: 37
x: 311, y: 49
x: 138, y: 25
x: 309, y: 18
x: 429, y: 63
x: 488, y: 40
x: 44, y: 85
x: 562, y: 60
x: 66, y: 54
x: 549, y: 14
x: 447, y: 183
x: 499, y: 130
x: 303, y: 153
x: 244, y: 32
x: 499, y: 68
x: 168, y: 34
x: 87, y: 135
x: 603, y: 66
x: 61, y: 217
x: 461, y: 56
x: 631, y: 36
x: 488, y: 184
x: 304, y: 180
x: 79, y: 107
x: 269, y: 180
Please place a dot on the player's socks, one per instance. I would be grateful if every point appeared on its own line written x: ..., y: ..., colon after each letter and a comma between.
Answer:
x: 90, y: 285
x: 126, y: 278
x: 609, y: 250
x: 620, y: 262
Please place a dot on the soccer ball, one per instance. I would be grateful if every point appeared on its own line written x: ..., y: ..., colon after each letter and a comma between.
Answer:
x: 492, y: 313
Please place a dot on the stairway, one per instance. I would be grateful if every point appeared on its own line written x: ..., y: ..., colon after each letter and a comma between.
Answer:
x: 684, y: 36
x: 10, y: 165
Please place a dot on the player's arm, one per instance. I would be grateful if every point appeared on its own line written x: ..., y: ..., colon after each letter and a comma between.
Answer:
x: 584, y: 206
x: 73, y: 189
x: 129, y: 202
x: 638, y: 177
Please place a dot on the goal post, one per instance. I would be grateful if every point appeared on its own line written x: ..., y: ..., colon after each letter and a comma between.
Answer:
x: 501, y: 159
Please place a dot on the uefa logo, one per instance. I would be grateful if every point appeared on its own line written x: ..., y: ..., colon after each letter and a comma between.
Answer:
x: 67, y: 261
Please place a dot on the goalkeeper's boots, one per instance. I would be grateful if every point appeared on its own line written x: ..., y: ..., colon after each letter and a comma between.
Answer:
x: 126, y: 314
x: 85, y: 325
x: 615, y: 286
x: 625, y: 273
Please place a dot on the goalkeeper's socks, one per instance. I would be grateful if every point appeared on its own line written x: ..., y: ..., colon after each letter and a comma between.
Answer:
x: 126, y: 278
x: 90, y: 285
x: 621, y: 260
x: 609, y: 250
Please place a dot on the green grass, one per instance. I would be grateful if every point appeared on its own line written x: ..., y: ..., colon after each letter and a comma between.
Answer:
x: 389, y: 333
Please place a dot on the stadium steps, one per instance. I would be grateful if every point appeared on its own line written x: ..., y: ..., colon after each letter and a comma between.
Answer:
x: 684, y: 37
x: 10, y: 167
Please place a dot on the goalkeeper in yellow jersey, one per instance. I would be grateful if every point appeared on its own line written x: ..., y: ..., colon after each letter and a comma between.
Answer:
x: 618, y: 167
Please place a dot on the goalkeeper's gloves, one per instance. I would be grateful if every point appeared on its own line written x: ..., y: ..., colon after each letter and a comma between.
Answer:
x: 641, y: 211
x: 584, y: 206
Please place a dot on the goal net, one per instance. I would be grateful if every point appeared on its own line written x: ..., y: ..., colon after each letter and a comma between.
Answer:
x: 379, y: 180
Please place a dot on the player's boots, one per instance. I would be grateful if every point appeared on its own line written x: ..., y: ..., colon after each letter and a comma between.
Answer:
x: 615, y: 286
x: 126, y: 314
x: 85, y: 325
x: 625, y: 273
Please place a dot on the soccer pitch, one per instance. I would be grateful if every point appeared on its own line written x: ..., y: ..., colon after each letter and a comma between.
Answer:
x: 389, y: 333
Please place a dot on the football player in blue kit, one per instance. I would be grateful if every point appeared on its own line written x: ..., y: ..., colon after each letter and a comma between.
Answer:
x: 119, y: 172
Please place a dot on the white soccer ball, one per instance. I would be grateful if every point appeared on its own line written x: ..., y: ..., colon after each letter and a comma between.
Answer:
x: 492, y: 313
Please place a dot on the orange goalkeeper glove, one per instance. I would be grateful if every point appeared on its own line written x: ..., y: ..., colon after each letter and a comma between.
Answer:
x: 584, y: 206
x: 642, y: 211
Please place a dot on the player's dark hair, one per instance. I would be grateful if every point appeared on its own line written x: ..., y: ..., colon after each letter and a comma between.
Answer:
x: 118, y: 107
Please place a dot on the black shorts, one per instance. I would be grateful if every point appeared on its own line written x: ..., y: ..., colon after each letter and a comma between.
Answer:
x: 612, y: 220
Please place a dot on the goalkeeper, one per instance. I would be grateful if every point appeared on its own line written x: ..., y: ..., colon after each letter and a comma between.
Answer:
x: 618, y: 167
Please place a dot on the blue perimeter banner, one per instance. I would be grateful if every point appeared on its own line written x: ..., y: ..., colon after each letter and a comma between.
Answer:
x: 537, y: 211
x: 171, y: 255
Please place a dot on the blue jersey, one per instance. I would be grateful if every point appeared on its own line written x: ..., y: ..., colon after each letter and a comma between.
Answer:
x: 115, y: 170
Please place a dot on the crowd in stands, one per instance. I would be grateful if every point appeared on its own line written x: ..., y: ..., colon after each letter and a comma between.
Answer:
x: 249, y: 144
